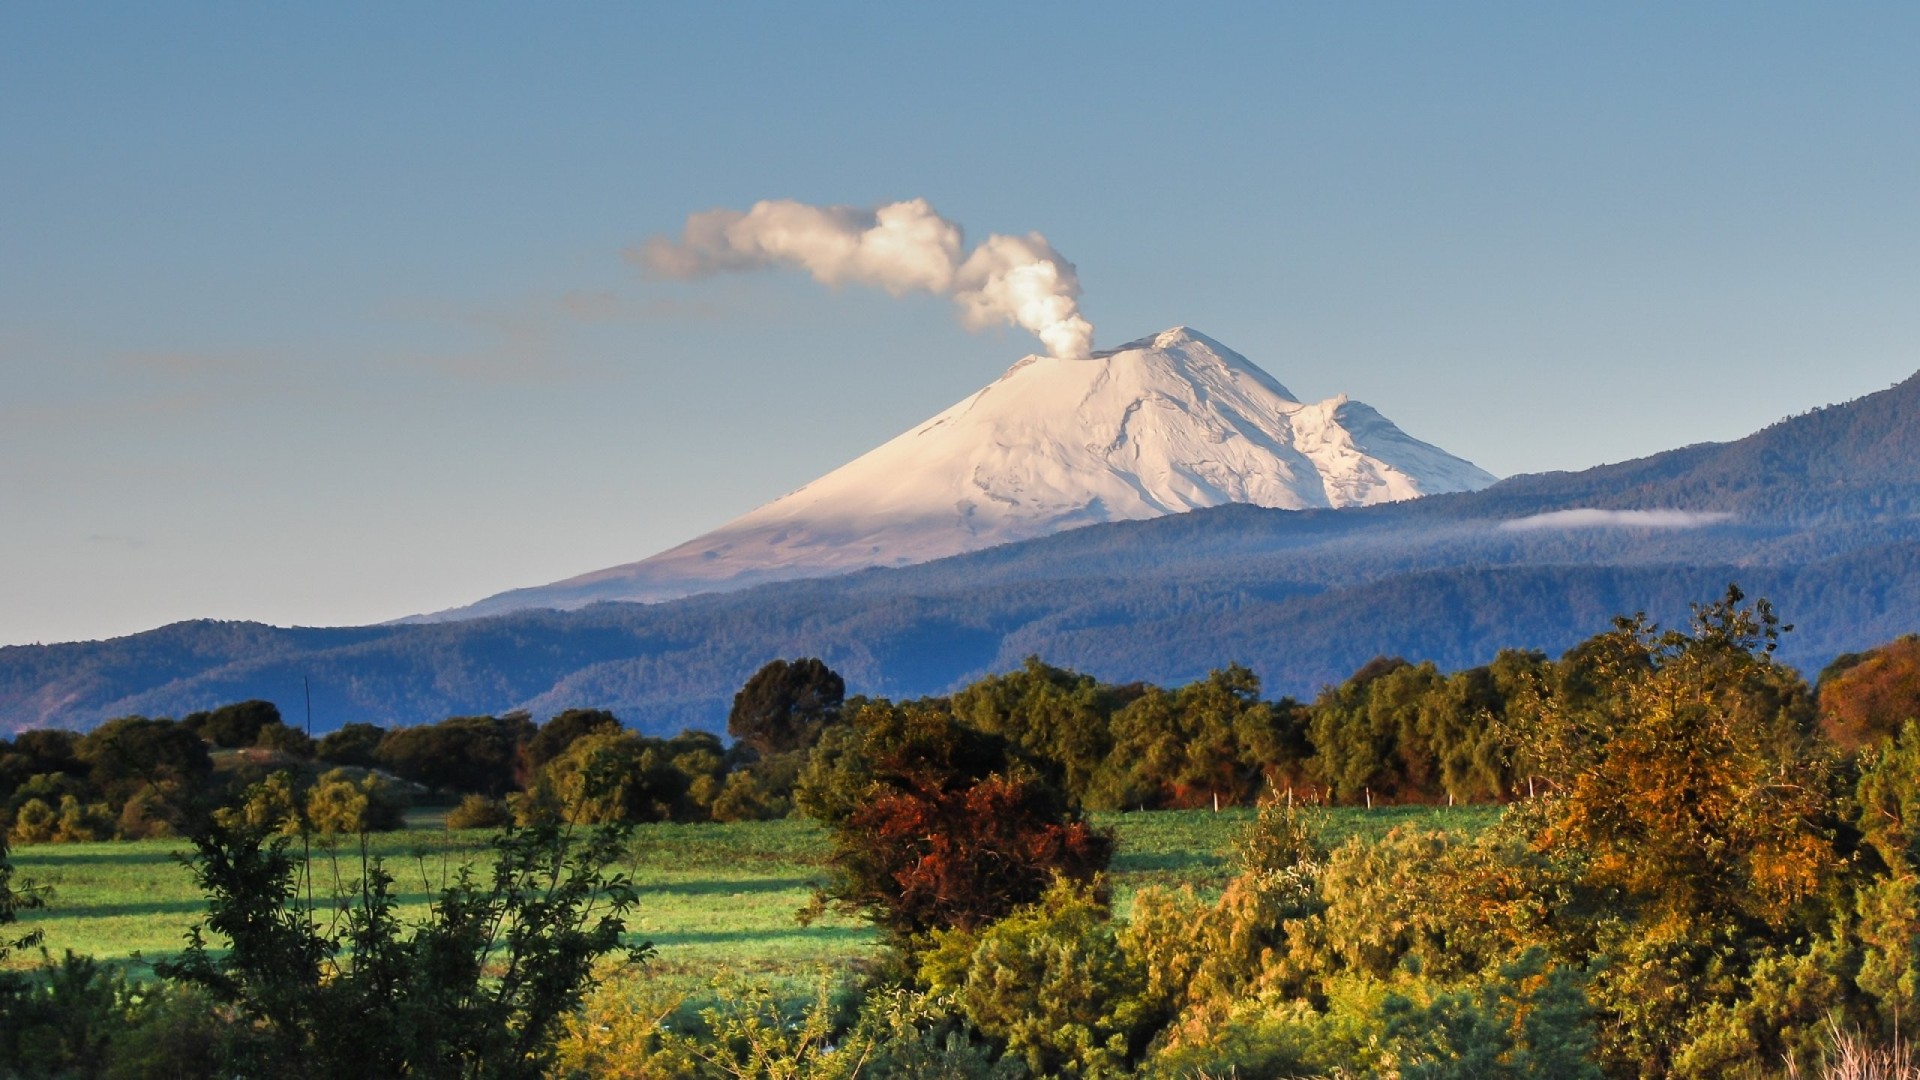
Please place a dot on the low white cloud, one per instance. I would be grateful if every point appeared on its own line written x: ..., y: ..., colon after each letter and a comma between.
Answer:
x: 1593, y: 518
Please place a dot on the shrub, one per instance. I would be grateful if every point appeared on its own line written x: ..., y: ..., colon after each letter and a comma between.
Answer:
x: 340, y: 804
x: 287, y: 740
x: 271, y: 805
x: 479, y: 812
x: 1531, y: 1022
x: 477, y: 990
x: 745, y: 797
x: 34, y: 823
x: 1050, y: 982
x: 631, y: 1030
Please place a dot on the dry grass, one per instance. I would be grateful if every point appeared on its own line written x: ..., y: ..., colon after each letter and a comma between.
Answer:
x: 1851, y: 1056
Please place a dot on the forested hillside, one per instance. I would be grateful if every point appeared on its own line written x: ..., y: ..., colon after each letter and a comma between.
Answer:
x: 1819, y: 512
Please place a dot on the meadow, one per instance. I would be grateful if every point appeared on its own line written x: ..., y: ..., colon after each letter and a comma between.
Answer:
x: 715, y: 898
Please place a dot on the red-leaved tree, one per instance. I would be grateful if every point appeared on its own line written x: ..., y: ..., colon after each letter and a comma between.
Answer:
x: 937, y: 825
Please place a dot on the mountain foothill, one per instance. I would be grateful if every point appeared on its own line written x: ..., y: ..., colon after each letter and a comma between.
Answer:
x: 1154, y: 513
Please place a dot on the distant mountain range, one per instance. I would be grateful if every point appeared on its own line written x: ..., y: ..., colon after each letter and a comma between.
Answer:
x: 1820, y: 512
x: 1162, y: 425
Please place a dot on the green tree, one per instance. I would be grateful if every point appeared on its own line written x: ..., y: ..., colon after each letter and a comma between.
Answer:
x: 1057, y: 717
x: 1683, y: 771
x: 132, y: 752
x: 562, y: 731
x: 1202, y: 744
x: 1531, y: 1022
x: 15, y: 897
x: 459, y: 754
x: 353, y: 744
x: 272, y: 805
x: 621, y: 776
x: 233, y: 725
x: 785, y: 704
x: 287, y: 740
x: 1050, y: 983
x: 339, y: 803
x: 1691, y: 818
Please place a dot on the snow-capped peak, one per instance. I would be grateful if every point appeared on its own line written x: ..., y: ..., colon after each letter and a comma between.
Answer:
x: 1171, y: 422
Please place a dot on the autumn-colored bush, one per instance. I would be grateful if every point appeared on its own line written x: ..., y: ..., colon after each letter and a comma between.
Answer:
x: 1866, y: 698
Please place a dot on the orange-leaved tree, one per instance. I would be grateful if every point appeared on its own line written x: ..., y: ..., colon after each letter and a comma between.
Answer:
x: 1680, y: 769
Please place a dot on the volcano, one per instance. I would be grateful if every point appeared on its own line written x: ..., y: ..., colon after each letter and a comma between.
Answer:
x: 1162, y: 425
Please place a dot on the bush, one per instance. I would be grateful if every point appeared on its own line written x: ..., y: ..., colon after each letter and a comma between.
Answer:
x: 630, y: 1030
x: 479, y: 812
x: 271, y: 806
x: 1531, y: 1022
x: 477, y: 990
x: 340, y: 804
x: 290, y: 741
x: 1050, y: 982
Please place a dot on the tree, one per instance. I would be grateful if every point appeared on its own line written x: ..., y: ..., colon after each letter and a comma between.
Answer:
x: 1051, y: 983
x: 1057, y: 717
x: 1682, y: 767
x: 1193, y: 746
x: 620, y: 776
x: 15, y: 898
x: 562, y: 731
x: 124, y: 754
x: 785, y: 704
x: 936, y: 825
x: 287, y: 740
x: 353, y: 744
x: 461, y: 753
x: 340, y: 804
x: 234, y: 725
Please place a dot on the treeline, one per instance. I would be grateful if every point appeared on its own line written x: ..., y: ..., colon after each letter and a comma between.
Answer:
x: 1393, y: 732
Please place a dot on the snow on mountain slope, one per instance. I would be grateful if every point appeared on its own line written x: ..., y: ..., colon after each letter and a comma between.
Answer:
x: 1158, y: 426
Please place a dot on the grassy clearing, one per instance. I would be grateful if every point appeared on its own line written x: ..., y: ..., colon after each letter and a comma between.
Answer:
x: 716, y: 899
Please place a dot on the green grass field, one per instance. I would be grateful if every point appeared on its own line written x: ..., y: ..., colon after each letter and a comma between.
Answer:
x: 714, y: 898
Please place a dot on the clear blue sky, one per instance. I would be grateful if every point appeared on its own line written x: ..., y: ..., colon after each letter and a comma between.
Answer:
x: 319, y: 314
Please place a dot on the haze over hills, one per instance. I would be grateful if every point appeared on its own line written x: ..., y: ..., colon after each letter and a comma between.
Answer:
x: 1166, y: 424
x: 1820, y: 512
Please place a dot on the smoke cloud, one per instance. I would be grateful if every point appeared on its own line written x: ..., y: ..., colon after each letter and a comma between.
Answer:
x: 901, y: 247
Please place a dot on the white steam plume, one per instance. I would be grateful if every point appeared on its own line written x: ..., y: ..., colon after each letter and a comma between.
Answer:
x: 901, y: 247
